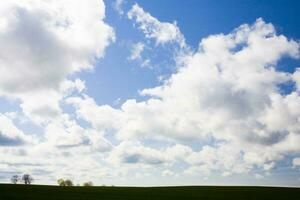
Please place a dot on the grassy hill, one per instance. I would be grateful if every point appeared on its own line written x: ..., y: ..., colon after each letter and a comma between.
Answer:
x: 37, y: 192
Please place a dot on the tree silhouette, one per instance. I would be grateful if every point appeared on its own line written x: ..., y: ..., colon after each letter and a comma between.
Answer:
x: 15, y: 179
x: 89, y: 183
x: 27, y: 179
x: 68, y: 182
x: 62, y: 182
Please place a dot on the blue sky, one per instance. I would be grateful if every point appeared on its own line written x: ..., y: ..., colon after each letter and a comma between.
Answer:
x: 211, y: 18
x: 151, y: 93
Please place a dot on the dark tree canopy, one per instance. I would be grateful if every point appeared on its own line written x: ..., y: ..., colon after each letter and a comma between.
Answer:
x: 89, y: 183
x: 68, y: 182
x: 27, y: 179
x: 62, y: 182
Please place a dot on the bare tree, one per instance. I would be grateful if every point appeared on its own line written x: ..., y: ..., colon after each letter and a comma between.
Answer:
x: 15, y: 179
x: 89, y: 183
x: 27, y: 179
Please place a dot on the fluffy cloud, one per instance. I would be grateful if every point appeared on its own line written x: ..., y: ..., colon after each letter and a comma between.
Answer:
x: 42, y: 110
x: 296, y: 77
x: 136, y: 153
x: 64, y: 141
x: 222, y: 111
x: 45, y: 41
x: 223, y: 158
x: 162, y: 32
x: 43, y: 45
x: 10, y: 135
x: 228, y: 91
x: 101, y: 117
x: 65, y: 133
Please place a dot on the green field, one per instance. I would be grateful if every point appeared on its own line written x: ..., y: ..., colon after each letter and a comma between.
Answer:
x: 35, y: 192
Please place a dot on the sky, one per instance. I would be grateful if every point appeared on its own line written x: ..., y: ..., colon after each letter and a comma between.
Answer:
x: 150, y: 93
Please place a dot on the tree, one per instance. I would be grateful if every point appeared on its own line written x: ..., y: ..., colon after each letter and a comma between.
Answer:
x: 61, y: 182
x: 15, y: 179
x: 68, y: 182
x: 89, y: 183
x: 27, y: 179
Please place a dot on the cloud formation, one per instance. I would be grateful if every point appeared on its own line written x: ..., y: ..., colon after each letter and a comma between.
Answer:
x: 43, y: 42
x: 229, y: 90
x: 223, y: 111
x: 161, y: 32
x: 10, y: 135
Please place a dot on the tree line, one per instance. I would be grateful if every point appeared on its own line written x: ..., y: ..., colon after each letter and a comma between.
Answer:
x: 68, y: 182
x: 28, y: 179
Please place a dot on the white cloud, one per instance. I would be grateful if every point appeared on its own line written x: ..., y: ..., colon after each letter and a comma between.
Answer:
x: 42, y: 42
x: 137, y: 50
x: 70, y: 86
x: 66, y: 133
x: 43, y: 45
x: 42, y: 110
x: 225, y: 98
x: 167, y: 173
x: 224, y: 158
x: 63, y: 142
x: 228, y: 90
x: 296, y: 162
x: 296, y: 78
x: 101, y: 117
x: 162, y: 32
x: 10, y: 135
x: 135, y: 153
x: 118, y: 5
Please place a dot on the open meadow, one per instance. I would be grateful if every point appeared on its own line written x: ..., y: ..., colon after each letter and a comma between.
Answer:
x: 37, y: 192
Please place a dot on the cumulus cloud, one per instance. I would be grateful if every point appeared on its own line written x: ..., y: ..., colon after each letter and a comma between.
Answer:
x: 296, y: 78
x: 44, y: 44
x: 10, y: 135
x: 222, y: 111
x: 228, y: 90
x: 101, y: 117
x: 135, y: 153
x: 223, y: 158
x: 70, y: 86
x: 65, y: 132
x: 63, y: 142
x: 161, y: 32
x: 45, y: 41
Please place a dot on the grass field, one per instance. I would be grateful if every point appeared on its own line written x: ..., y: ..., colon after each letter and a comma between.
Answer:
x: 36, y: 192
